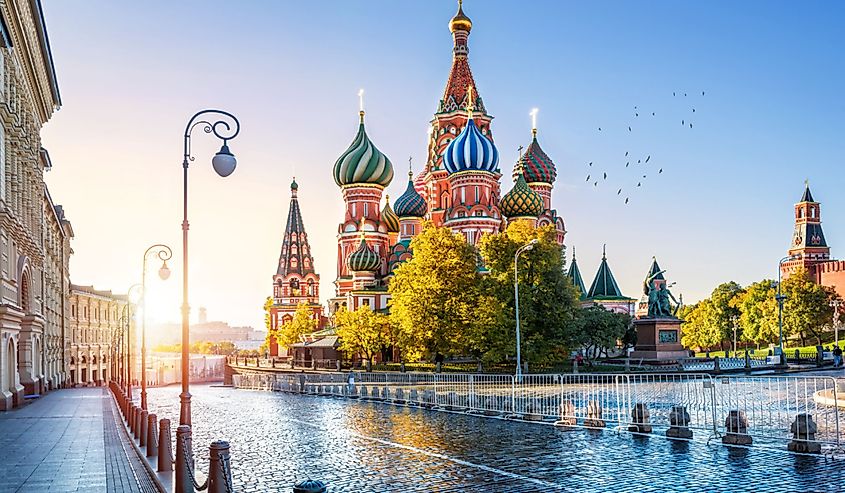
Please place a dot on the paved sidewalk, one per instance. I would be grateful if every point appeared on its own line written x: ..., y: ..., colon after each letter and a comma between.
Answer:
x: 66, y: 441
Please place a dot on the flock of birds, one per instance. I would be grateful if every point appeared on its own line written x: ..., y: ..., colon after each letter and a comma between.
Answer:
x: 600, y: 176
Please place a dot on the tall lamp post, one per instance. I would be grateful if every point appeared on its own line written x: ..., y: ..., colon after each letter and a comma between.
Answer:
x: 519, y: 251
x: 164, y: 253
x: 129, y: 312
x: 836, y: 304
x: 224, y: 164
x: 780, y: 298
x: 733, y: 323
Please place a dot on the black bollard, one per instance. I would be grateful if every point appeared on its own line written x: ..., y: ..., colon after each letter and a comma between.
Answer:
x: 152, y: 449
x: 142, y: 438
x: 183, y: 460
x: 165, y: 457
x: 309, y: 486
x: 219, y: 472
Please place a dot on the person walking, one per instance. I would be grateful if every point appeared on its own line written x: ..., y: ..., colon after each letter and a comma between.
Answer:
x: 837, y: 356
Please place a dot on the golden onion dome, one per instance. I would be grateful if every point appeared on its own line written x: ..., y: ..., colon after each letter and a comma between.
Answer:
x: 460, y: 22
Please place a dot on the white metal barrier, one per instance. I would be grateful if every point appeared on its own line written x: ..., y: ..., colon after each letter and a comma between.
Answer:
x: 769, y: 404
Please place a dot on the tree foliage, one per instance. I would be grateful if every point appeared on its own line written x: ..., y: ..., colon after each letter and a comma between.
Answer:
x: 363, y: 331
x: 436, y: 303
x: 548, y: 302
x: 758, y: 312
x: 807, y: 311
x: 600, y: 329
x: 301, y: 324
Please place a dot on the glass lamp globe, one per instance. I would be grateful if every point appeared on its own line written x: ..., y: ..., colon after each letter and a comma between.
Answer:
x: 164, y: 271
x: 224, y: 162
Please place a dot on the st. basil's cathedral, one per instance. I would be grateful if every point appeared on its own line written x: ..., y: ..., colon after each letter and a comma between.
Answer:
x: 458, y: 187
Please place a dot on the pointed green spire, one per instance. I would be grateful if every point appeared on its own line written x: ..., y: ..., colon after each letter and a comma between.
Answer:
x: 604, y: 285
x: 655, y: 269
x: 574, y: 275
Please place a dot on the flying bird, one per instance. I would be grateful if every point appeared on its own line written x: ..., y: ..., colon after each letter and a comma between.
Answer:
x: 643, y: 176
x: 638, y: 161
x: 690, y: 125
x: 693, y: 110
x: 647, y: 158
x: 626, y: 199
x: 639, y: 183
x: 636, y: 114
x: 605, y: 176
x: 626, y: 164
x: 673, y: 93
x: 629, y: 129
x: 599, y: 129
x: 702, y: 93
x: 591, y: 163
x: 652, y: 113
x: 626, y: 153
x: 685, y: 94
x: 595, y: 184
x: 619, y: 192
x: 661, y: 170
x: 682, y: 123
x: 588, y: 178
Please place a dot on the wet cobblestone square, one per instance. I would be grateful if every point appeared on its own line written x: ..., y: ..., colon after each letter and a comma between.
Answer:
x: 278, y: 439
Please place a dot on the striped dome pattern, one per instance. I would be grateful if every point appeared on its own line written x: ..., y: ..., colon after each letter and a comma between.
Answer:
x: 389, y: 218
x: 410, y: 203
x: 363, y: 259
x: 362, y: 163
x: 521, y: 201
x: 536, y: 165
x: 471, y: 151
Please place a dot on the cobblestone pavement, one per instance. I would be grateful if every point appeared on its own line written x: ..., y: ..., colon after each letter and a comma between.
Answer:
x: 63, y: 443
x: 278, y: 439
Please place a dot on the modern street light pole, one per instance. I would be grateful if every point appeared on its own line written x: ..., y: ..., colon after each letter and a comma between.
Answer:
x: 224, y: 164
x: 164, y: 254
x: 780, y: 297
x: 836, y: 304
x: 733, y: 322
x: 519, y: 251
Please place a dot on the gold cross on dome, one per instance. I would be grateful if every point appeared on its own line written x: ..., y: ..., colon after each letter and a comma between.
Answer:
x: 469, y: 100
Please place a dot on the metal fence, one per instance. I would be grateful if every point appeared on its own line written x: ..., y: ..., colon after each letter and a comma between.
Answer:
x: 768, y: 407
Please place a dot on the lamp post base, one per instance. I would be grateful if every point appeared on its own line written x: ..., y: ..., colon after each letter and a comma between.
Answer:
x: 185, y: 409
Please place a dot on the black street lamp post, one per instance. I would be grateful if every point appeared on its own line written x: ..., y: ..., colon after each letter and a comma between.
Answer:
x: 225, y: 128
x: 164, y: 253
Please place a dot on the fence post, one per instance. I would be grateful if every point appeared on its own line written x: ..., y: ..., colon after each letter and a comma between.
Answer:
x: 165, y: 457
x: 183, y: 461
x: 152, y: 449
x: 219, y: 472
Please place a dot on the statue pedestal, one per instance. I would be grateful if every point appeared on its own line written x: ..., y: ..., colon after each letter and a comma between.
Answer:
x: 658, y: 338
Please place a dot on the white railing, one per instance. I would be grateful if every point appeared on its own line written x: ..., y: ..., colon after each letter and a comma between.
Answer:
x: 769, y: 404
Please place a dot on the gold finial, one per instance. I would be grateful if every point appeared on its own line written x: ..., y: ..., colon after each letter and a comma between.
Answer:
x: 534, y: 121
x: 387, y: 198
x: 469, y: 100
x: 410, y: 168
x: 573, y: 253
x: 361, y: 104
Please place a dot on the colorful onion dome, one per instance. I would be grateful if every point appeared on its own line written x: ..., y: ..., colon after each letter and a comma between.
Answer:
x: 389, y: 218
x: 294, y: 185
x: 460, y: 21
x: 410, y: 203
x: 362, y: 162
x: 536, y: 165
x: 364, y: 259
x: 470, y: 151
x: 521, y: 201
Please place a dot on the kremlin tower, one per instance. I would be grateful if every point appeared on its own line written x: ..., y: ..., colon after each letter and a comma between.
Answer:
x: 295, y: 281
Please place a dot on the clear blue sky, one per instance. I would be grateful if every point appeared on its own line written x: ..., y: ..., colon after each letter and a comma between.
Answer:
x: 131, y: 73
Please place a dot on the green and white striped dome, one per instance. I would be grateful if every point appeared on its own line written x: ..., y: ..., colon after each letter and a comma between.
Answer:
x: 363, y: 259
x: 362, y: 163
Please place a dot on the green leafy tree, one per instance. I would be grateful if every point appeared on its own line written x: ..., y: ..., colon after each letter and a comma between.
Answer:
x: 807, y: 311
x: 362, y: 332
x: 600, y: 330
x: 758, y: 312
x: 725, y: 313
x: 548, y: 302
x: 435, y: 296
x: 700, y: 329
x: 301, y: 324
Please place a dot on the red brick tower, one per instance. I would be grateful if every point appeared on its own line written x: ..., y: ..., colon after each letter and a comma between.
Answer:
x: 808, y: 243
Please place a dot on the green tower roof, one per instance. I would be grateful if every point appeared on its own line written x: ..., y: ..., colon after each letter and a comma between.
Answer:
x: 654, y: 269
x: 604, y: 285
x: 574, y: 275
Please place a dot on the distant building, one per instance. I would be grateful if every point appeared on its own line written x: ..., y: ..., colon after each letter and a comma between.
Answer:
x: 810, y: 247
x: 205, y: 331
x: 95, y: 325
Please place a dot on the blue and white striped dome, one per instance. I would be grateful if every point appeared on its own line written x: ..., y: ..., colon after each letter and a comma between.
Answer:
x: 471, y: 151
